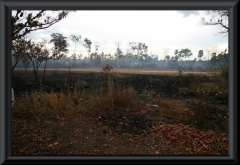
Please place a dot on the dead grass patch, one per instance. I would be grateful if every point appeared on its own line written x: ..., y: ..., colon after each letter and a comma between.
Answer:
x: 174, y: 111
x: 194, y: 140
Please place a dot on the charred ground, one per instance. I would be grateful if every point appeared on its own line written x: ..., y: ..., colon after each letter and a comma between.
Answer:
x: 163, y: 106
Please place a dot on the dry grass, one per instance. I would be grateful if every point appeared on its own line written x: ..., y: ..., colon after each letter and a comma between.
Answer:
x: 175, y: 118
x: 117, y: 98
x: 174, y: 111
x: 132, y: 71
x: 71, y: 101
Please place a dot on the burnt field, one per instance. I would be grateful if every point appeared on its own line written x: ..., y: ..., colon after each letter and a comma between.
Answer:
x: 124, y: 112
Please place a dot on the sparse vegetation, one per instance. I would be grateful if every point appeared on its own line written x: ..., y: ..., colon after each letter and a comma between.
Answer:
x: 78, y: 104
x: 118, y: 106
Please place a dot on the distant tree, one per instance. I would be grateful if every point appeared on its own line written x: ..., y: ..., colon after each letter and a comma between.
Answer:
x: 87, y: 45
x: 119, y: 54
x: 214, y: 59
x: 118, y: 51
x: 186, y: 53
x: 176, y: 58
x: 220, y: 18
x: 177, y: 55
x: 25, y: 62
x: 59, y: 49
x: 19, y: 49
x: 167, y: 57
x: 222, y: 60
x: 80, y: 56
x: 129, y: 57
x: 141, y: 48
x: 95, y: 54
x: 213, y: 49
x: 23, y: 23
x: 75, y: 38
x: 37, y: 52
x: 118, y: 43
x: 172, y: 58
x: 166, y: 50
x: 176, y: 52
x: 74, y: 57
x: 200, y: 54
x: 155, y: 58
x: 96, y: 47
x: 190, y: 54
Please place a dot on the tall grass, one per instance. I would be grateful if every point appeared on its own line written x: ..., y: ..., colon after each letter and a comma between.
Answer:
x: 71, y: 101
x: 117, y: 98
x: 49, y: 104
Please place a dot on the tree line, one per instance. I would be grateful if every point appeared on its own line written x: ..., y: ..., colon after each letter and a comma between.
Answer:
x: 27, y: 53
x: 32, y: 54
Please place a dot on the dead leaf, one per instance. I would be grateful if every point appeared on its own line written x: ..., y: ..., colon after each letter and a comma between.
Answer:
x: 38, y: 119
x: 56, y: 143
x: 23, y: 149
x: 110, y: 139
x: 57, y: 117
x: 150, y: 130
x: 105, y: 145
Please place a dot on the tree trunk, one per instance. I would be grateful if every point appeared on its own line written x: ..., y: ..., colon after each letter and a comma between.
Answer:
x: 44, y: 70
x: 14, y: 66
x: 75, y: 48
x: 25, y: 66
x: 36, y: 75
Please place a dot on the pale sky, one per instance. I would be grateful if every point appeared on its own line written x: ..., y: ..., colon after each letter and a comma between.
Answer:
x: 158, y: 29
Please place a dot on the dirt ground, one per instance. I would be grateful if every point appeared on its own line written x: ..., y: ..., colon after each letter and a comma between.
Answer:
x: 155, y: 130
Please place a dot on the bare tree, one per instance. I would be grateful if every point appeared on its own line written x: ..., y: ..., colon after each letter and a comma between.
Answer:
x: 118, y: 43
x: 166, y: 50
x: 210, y: 53
x: 219, y: 18
x: 96, y: 47
x: 211, y: 50
x: 119, y: 53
